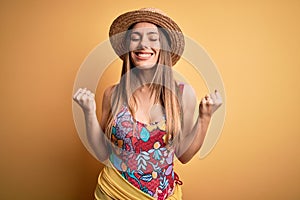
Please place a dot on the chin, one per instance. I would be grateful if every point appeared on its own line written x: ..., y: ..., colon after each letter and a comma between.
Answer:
x: 145, y: 66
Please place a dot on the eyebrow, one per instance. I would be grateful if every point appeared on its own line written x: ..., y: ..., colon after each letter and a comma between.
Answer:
x: 149, y: 33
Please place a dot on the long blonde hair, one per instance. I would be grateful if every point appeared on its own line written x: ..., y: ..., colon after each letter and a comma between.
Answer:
x: 163, y: 85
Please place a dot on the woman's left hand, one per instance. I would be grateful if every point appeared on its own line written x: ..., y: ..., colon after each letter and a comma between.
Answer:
x: 209, y: 104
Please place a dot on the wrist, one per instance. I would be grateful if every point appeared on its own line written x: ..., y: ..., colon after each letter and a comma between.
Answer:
x: 204, y: 117
x: 89, y: 113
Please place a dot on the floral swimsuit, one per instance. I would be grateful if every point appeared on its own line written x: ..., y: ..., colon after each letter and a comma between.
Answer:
x: 141, y: 155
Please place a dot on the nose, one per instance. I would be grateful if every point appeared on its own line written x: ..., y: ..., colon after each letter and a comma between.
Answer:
x: 144, y: 43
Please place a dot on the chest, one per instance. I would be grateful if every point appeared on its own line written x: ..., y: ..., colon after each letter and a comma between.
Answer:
x: 135, y: 136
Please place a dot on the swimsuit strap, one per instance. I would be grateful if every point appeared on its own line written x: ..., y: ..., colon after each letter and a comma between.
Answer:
x: 181, y: 86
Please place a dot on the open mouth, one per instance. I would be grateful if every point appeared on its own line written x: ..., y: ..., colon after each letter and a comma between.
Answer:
x: 143, y: 54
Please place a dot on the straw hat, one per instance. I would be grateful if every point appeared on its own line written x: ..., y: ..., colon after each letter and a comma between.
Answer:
x: 121, y: 24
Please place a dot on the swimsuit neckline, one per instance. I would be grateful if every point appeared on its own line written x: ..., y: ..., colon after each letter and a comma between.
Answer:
x: 144, y: 123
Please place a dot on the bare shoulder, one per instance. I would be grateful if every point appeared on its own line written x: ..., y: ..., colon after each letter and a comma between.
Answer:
x: 106, y: 105
x: 188, y: 96
x: 108, y: 91
x: 107, y: 96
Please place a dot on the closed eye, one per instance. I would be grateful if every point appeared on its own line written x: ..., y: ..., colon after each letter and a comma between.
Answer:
x: 153, y: 39
x: 135, y: 39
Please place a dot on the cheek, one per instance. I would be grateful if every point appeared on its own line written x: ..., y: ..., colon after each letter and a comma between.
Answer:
x: 156, y: 45
x: 132, y: 46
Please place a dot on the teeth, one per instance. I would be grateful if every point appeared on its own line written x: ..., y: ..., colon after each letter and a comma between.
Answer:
x: 144, y: 54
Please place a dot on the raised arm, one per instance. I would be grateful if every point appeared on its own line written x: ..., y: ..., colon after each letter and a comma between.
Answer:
x: 94, y: 130
x: 193, y: 134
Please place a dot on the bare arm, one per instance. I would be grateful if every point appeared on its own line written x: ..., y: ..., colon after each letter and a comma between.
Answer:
x: 193, y: 134
x: 95, y: 134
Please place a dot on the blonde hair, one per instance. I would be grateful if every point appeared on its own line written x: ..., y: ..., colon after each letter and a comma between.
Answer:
x: 163, y: 85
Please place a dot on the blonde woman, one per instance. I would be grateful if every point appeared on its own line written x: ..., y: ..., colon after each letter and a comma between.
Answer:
x: 147, y: 118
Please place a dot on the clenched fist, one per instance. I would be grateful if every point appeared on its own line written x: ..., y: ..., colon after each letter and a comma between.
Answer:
x: 209, y: 104
x: 86, y: 100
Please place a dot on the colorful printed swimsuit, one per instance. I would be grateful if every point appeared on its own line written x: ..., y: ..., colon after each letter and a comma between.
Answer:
x: 142, y: 156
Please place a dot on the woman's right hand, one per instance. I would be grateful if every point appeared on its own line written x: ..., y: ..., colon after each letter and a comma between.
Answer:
x: 86, y: 100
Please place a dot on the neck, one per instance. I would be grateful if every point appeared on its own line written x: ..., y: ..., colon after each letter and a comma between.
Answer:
x: 145, y: 76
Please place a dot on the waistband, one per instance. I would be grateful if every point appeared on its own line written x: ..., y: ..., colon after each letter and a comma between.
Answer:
x: 112, y: 186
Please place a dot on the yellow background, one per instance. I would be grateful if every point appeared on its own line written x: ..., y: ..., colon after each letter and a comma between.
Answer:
x: 255, y: 44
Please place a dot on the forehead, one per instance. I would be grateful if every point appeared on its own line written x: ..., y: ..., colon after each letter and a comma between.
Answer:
x: 145, y: 26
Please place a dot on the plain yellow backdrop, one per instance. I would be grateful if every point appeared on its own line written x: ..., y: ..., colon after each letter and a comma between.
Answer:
x: 255, y: 45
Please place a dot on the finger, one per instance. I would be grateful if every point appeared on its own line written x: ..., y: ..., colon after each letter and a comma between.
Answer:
x: 213, y: 97
x: 204, y: 107
x: 82, y: 98
x: 219, y: 99
x: 88, y: 92
x: 208, y: 99
x: 80, y: 95
x: 85, y: 98
x: 203, y: 101
x: 92, y: 95
x: 84, y: 90
x: 77, y: 92
x: 218, y: 95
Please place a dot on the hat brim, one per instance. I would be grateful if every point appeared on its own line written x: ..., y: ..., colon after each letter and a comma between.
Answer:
x: 120, y: 26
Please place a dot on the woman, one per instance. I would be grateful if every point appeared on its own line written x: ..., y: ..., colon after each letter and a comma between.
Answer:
x: 148, y: 116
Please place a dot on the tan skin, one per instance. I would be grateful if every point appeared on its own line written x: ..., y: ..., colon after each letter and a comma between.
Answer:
x: 144, y: 53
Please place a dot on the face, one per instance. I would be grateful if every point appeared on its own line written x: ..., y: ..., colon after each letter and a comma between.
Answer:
x: 144, y: 45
